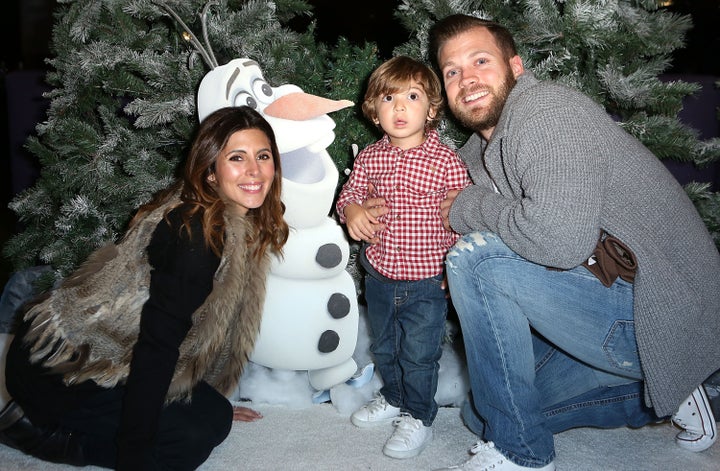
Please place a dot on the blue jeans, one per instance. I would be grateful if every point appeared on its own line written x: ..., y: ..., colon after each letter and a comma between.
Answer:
x: 547, y: 350
x: 407, y: 321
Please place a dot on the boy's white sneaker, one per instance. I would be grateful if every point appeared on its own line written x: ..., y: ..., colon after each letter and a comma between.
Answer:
x: 486, y: 458
x: 376, y: 412
x: 409, y: 438
x: 696, y: 418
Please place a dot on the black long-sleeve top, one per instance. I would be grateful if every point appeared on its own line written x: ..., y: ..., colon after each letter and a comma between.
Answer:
x: 180, y: 281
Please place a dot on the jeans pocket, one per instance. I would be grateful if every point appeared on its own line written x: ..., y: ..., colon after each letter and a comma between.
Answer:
x: 437, y: 279
x: 620, y: 346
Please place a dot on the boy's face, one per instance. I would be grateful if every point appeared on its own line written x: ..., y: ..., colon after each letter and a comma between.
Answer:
x: 402, y: 115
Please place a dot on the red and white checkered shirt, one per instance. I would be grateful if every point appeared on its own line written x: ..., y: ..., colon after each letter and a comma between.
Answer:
x: 412, y: 182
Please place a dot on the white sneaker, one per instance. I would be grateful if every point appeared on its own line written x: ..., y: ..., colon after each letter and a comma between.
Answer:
x: 696, y: 419
x: 487, y: 457
x: 409, y: 438
x: 375, y: 412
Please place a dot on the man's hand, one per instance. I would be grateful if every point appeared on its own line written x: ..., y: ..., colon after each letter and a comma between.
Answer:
x: 445, y: 207
x: 362, y: 224
x: 374, y: 204
x: 376, y: 208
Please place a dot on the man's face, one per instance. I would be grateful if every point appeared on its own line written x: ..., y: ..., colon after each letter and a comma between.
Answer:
x: 477, y: 78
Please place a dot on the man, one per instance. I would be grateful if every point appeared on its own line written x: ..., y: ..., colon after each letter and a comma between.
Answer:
x: 551, y: 346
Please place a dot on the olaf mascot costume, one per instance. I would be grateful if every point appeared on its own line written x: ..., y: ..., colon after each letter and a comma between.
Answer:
x: 310, y: 318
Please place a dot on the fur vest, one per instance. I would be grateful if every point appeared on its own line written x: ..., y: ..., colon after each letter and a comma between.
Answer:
x: 86, y: 328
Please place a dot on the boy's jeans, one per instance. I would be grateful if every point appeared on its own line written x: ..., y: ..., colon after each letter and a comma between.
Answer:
x: 520, y: 322
x: 407, y: 321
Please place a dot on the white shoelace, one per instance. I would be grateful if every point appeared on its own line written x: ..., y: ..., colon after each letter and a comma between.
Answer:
x: 405, y: 425
x: 482, y: 446
x: 377, y: 404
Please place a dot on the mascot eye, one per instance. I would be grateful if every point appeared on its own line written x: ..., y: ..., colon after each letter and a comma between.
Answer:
x: 262, y: 90
x: 245, y: 99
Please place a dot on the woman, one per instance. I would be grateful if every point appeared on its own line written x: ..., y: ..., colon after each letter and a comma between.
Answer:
x: 127, y: 364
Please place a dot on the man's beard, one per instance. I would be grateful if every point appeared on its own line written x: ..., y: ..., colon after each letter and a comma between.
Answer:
x: 481, y: 119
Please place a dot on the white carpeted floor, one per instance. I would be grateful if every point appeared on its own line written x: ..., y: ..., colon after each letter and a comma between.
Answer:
x: 319, y: 438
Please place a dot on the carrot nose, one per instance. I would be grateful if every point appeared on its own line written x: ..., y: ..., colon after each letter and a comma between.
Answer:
x: 300, y: 106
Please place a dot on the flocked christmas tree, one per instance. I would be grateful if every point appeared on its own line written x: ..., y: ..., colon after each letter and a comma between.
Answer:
x: 124, y: 77
x: 124, y: 80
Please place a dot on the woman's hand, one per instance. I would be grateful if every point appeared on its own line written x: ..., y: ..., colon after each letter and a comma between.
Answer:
x: 244, y: 414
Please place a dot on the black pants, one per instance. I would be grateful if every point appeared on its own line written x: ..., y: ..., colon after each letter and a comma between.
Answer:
x: 187, y: 432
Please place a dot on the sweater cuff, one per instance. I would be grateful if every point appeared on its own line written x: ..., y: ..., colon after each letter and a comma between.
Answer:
x: 474, y: 210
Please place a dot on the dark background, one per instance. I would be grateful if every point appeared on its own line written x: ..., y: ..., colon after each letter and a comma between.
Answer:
x: 26, y: 29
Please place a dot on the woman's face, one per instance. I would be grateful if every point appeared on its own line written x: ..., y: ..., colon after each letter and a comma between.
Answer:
x: 244, y: 169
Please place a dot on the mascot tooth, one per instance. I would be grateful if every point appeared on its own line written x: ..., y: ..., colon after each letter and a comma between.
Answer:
x: 310, y: 321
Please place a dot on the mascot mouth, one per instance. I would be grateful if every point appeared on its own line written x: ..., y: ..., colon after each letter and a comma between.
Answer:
x: 303, y: 147
x: 303, y: 131
x: 303, y: 166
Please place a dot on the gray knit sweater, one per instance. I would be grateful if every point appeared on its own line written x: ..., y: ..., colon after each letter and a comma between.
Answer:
x: 563, y: 170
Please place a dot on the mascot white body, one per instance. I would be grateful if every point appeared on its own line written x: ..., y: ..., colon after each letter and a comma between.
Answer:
x: 310, y: 319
